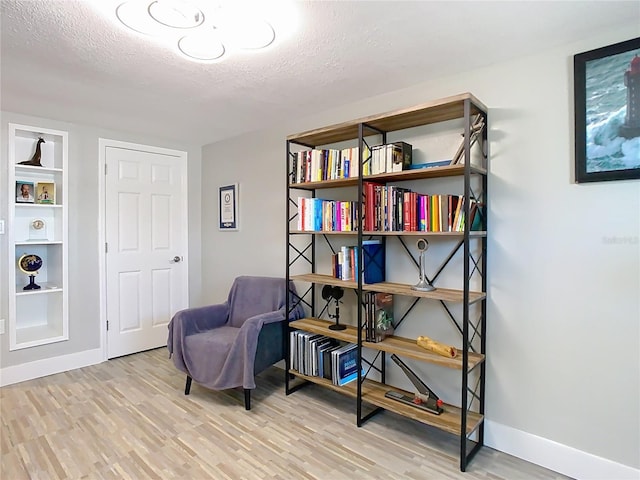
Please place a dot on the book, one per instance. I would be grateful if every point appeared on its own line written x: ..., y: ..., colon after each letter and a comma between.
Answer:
x: 373, y: 258
x: 402, y: 155
x: 383, y: 315
x: 344, y: 363
x: 347, y: 368
x: 327, y: 371
x: 330, y: 344
x: 438, y: 163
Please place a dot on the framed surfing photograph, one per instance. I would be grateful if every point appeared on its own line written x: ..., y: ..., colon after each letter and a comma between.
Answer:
x: 607, y: 113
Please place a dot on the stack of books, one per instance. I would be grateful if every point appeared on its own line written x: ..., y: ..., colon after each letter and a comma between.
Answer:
x: 317, y: 355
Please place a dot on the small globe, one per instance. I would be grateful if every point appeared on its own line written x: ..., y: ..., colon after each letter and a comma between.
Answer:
x: 30, y: 263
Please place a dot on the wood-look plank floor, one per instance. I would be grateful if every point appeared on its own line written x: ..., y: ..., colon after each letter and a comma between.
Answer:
x: 128, y: 418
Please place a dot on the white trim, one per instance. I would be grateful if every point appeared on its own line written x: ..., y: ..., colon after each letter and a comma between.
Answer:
x: 49, y: 366
x: 103, y: 143
x: 555, y: 456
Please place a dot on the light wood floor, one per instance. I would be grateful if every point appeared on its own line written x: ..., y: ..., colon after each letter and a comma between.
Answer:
x: 129, y: 418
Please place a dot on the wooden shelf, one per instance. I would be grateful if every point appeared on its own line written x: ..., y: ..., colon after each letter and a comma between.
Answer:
x: 436, y: 111
x: 373, y: 233
x: 444, y: 294
x: 419, y: 174
x: 404, y: 347
x: 373, y: 393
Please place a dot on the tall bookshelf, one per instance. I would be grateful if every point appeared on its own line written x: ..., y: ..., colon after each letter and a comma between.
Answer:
x: 38, y: 227
x: 465, y: 305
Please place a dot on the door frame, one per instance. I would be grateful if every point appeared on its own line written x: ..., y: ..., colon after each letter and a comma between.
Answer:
x: 181, y: 157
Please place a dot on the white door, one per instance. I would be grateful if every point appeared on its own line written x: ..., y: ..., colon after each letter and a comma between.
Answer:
x: 146, y: 251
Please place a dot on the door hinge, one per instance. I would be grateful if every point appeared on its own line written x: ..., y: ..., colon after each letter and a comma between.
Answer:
x: 106, y: 247
x: 107, y: 325
x: 105, y: 168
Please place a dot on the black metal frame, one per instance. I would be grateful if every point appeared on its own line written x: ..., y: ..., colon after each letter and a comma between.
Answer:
x: 470, y: 330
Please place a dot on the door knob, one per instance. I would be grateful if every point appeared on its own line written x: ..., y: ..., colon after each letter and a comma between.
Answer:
x: 176, y: 259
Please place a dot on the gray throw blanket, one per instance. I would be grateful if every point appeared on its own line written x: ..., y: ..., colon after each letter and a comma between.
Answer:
x: 216, y: 345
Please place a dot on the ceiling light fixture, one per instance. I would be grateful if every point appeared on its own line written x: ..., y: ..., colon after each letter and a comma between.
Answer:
x: 202, y: 30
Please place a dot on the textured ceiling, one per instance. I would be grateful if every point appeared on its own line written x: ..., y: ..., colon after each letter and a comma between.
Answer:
x: 67, y: 60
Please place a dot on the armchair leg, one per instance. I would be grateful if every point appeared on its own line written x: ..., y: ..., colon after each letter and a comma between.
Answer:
x: 247, y: 399
x: 187, y: 387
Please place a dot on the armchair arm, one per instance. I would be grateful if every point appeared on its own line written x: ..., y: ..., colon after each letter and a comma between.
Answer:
x: 194, y: 320
x: 263, y: 319
x: 200, y: 319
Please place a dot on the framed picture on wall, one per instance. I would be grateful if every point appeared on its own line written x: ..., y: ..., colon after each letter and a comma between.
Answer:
x: 228, y: 207
x: 607, y: 112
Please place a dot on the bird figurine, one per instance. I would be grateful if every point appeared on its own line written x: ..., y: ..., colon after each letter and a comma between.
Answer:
x: 35, y: 160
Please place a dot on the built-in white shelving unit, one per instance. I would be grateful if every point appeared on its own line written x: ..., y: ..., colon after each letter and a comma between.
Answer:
x: 38, y: 317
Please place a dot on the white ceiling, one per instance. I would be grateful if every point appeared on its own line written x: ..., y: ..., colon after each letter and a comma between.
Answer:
x: 64, y: 59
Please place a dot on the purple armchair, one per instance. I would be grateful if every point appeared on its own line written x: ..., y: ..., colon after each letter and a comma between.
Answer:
x: 224, y: 346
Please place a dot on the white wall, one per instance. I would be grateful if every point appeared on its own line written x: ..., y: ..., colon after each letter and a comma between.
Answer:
x: 563, y: 364
x: 84, y: 313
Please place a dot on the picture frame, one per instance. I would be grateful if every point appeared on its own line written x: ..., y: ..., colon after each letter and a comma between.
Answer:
x: 228, y: 208
x: 25, y: 192
x: 46, y: 193
x: 607, y: 112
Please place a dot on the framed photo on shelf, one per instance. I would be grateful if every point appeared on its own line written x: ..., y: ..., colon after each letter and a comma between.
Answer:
x: 46, y: 193
x: 607, y: 112
x: 24, y: 192
x: 228, y: 207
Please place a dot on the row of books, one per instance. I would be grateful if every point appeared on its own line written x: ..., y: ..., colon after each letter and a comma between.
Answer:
x: 330, y: 164
x: 345, y: 263
x: 316, y: 214
x: 327, y: 164
x: 317, y: 355
x: 396, y: 209
x: 393, y: 157
x: 388, y: 209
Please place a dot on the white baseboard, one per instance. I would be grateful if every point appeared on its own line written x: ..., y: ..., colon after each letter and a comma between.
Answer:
x: 555, y: 456
x: 49, y: 366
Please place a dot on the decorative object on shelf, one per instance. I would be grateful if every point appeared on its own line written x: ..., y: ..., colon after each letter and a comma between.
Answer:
x: 35, y: 160
x: 38, y: 229
x: 334, y: 293
x: 46, y: 193
x: 477, y: 125
x: 437, y: 347
x: 424, y: 399
x: 200, y: 31
x: 228, y: 207
x: 607, y: 112
x: 24, y: 192
x: 382, y: 316
x: 422, y: 285
x: 30, y: 264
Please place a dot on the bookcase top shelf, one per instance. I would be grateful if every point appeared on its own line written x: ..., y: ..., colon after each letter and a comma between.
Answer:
x: 444, y: 294
x: 405, y: 175
x: 441, y: 110
x: 404, y: 347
